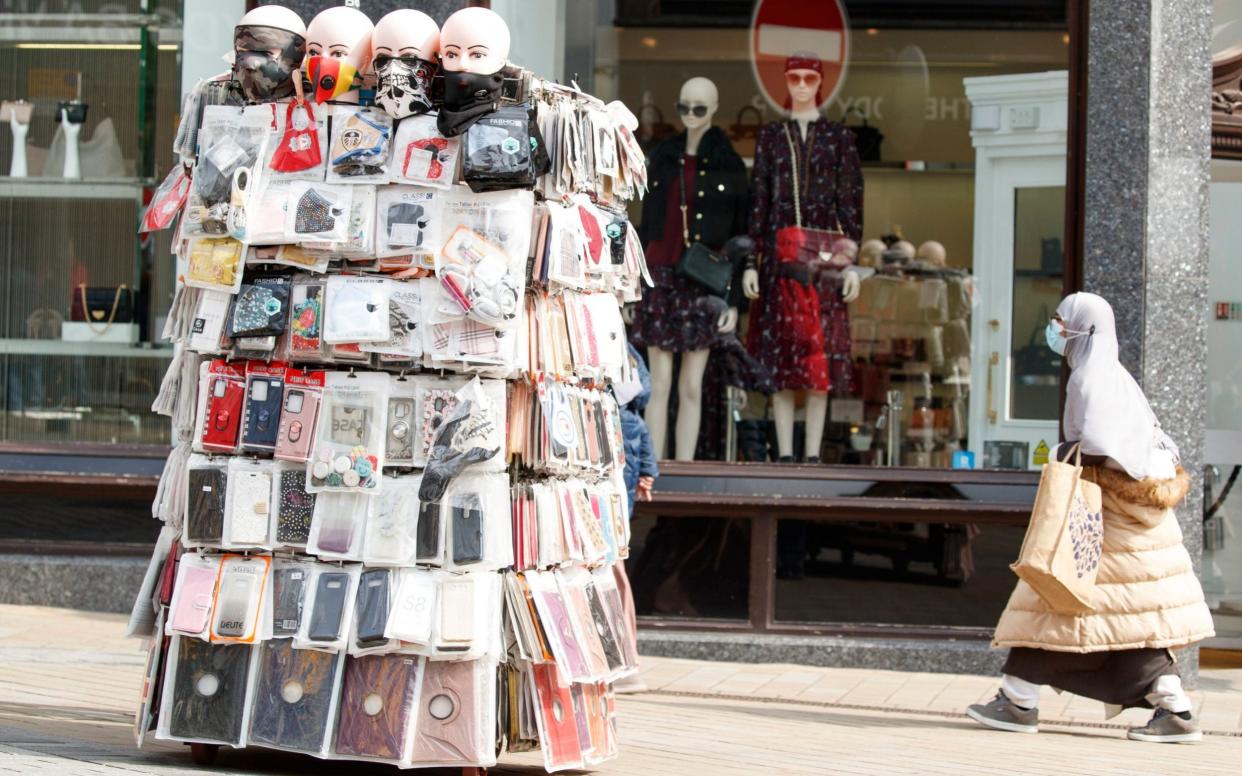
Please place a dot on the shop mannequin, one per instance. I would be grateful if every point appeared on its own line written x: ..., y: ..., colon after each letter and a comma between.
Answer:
x: 18, y: 114
x: 474, y: 49
x: 869, y: 253
x: 72, y: 129
x: 405, y: 48
x: 269, y: 45
x: 785, y: 331
x: 338, y: 48
x: 678, y: 316
x: 933, y: 253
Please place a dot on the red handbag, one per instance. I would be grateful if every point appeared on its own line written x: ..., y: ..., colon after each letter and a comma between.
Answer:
x: 804, y: 244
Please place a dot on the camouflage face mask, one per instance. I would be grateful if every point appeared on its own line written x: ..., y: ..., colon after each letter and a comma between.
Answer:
x: 265, y: 61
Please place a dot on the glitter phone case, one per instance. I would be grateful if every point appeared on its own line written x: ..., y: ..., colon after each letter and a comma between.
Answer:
x: 204, y: 520
x: 209, y: 691
x: 250, y: 497
x: 294, y: 509
x: 293, y: 697
x: 448, y: 726
x: 377, y: 701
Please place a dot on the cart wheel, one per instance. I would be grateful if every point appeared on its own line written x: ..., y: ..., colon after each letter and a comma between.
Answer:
x: 204, y: 754
x: 473, y: 772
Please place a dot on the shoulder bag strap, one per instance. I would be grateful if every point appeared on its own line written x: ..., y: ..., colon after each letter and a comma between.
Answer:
x: 796, y: 173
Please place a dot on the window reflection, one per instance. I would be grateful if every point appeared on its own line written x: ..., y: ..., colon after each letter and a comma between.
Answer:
x: 695, y: 567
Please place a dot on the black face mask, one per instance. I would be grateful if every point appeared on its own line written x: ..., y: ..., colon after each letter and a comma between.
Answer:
x: 467, y: 98
x: 264, y: 77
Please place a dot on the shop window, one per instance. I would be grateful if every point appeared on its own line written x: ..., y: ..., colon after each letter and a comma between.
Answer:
x: 696, y: 568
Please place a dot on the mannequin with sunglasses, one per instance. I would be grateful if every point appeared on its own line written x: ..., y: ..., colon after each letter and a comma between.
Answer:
x: 698, y: 194
x: 405, y: 46
x: 338, y: 50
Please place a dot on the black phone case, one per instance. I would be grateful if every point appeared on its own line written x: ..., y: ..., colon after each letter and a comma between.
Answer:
x: 288, y: 591
x: 216, y: 716
x: 467, y: 532
x: 204, y: 521
x: 263, y: 417
x: 427, y: 540
x: 371, y: 609
x: 330, y: 592
x: 305, y: 674
x: 295, y: 508
x: 603, y: 626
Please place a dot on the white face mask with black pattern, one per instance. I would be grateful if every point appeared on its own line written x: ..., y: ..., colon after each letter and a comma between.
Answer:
x: 404, y: 85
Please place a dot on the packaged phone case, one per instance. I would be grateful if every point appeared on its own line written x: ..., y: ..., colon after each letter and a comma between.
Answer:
x: 248, y: 508
x: 294, y: 697
x: 361, y: 144
x: 558, y: 730
x: 206, y: 491
x: 294, y: 506
x: 407, y: 221
x: 371, y: 608
x: 306, y: 301
x: 404, y: 318
x: 265, y: 385
x: 379, y: 704
x: 204, y: 697
x: 348, y: 454
x: 327, y: 611
x: 318, y: 212
x: 290, y: 579
x: 468, y: 621
x: 412, y: 616
x: 298, y: 415
x: 357, y: 309
x: 215, y: 264
x: 261, y: 308
x: 456, y: 703
x: 392, y: 528
x: 571, y: 658
x: 193, y: 595
x: 207, y: 326
x: 476, y: 510
x: 240, y: 598
x: 403, y: 423
x: 421, y: 155
x: 222, y: 402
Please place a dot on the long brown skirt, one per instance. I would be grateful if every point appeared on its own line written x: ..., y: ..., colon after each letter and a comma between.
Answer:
x: 1122, y: 678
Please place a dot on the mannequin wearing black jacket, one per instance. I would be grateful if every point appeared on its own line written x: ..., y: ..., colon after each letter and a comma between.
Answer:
x: 698, y: 193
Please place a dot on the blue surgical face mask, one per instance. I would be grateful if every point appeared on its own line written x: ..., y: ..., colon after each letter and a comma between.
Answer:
x: 1056, y: 338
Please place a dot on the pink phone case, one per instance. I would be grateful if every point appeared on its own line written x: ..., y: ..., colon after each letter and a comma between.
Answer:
x: 297, y: 426
x: 194, y: 600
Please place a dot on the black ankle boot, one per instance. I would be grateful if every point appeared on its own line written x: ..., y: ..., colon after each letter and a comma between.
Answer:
x: 785, y: 459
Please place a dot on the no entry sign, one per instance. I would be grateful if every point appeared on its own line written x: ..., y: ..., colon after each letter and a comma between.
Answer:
x: 781, y: 28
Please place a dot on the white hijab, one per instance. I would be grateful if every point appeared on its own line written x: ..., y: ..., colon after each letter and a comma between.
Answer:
x: 1105, y: 409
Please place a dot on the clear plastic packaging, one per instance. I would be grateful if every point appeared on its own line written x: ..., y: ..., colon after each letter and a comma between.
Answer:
x: 228, y: 143
x: 357, y: 310
x: 295, y: 693
x: 422, y: 156
x: 241, y: 598
x: 205, y: 692
x: 267, y: 212
x: 378, y: 707
x: 472, y: 435
x: 206, y: 498
x: 348, y: 454
x: 412, y: 617
x: 327, y: 612
x: 558, y: 730
x: 361, y: 145
x: 208, y: 323
x: 337, y: 526
x: 318, y: 212
x: 391, y: 530
x: 376, y: 587
x: 248, y: 507
x: 299, y: 413
x: 403, y: 423
x: 300, y: 154
x: 360, y: 241
x: 215, y: 263
x: 404, y: 320
x: 457, y: 715
x: 292, y: 505
x: 290, y: 582
x: 306, y: 307
x: 193, y: 595
x: 265, y: 389
x: 167, y: 201
x: 476, y: 511
x: 221, y: 397
x: 407, y: 220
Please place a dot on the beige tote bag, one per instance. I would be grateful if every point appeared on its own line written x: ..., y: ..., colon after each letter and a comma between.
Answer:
x: 1060, y: 555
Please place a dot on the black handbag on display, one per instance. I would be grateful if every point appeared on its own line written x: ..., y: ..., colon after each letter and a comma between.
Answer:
x: 709, y: 269
x: 102, y: 305
x: 867, y: 139
x: 1036, y: 359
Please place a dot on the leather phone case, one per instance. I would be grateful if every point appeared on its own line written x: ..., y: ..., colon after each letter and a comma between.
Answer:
x: 288, y: 592
x: 251, y: 499
x: 603, y: 627
x: 456, y: 613
x: 427, y: 536
x: 292, y: 697
x: 371, y: 608
x: 329, y: 607
x: 467, y: 532
x: 263, y: 402
x: 377, y: 699
x: 294, y: 508
x: 297, y: 424
x: 223, y: 416
x: 194, y: 599
x: 209, y: 691
x: 447, y: 719
x: 400, y: 446
x: 556, y: 711
x: 204, y: 520
x: 573, y: 654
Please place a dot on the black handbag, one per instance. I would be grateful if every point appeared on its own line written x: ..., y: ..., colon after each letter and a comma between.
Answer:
x: 1036, y: 359
x: 867, y: 139
x: 102, y: 305
x: 711, y: 270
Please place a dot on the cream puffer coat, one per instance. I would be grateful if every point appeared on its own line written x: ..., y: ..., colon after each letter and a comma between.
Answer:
x: 1146, y: 594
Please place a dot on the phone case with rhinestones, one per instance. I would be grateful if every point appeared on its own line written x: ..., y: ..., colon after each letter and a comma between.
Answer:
x: 295, y: 508
x: 293, y: 697
x: 399, y: 450
x: 377, y: 706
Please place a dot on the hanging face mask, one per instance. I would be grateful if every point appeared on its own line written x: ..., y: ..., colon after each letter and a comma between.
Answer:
x: 404, y: 87
x: 467, y: 98
x: 299, y: 146
x: 330, y: 77
x: 1058, y: 338
x: 265, y: 59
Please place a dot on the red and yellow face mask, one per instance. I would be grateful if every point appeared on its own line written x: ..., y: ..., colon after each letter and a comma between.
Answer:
x: 329, y: 77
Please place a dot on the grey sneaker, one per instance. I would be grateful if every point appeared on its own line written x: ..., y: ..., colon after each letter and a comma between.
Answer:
x: 1002, y: 714
x: 1166, y: 727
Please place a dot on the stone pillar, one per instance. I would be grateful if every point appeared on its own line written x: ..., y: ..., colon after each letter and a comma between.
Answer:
x: 1146, y: 238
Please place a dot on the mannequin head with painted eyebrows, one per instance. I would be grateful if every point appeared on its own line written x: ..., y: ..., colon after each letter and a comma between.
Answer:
x: 474, y: 40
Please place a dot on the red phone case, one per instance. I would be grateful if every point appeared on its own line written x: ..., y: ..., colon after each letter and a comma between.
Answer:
x: 223, y: 417
x: 556, y: 712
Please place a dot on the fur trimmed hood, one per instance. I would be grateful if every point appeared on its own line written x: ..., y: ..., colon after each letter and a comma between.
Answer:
x: 1154, y: 494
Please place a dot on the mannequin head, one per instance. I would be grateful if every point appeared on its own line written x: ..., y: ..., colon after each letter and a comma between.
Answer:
x: 698, y: 103
x: 869, y: 253
x: 338, y: 47
x: 933, y: 253
x: 844, y: 252
x: 474, y: 40
x: 405, y: 47
x: 406, y: 33
x: 804, y: 77
x: 269, y: 44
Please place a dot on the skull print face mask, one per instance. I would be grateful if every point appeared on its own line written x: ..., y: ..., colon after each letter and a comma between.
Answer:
x: 404, y: 85
x: 265, y: 60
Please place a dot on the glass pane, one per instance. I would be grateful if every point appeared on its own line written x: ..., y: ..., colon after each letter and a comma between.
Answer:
x: 1222, y: 551
x: 55, y: 518
x: 894, y: 573
x: 1038, y: 277
x: 690, y: 567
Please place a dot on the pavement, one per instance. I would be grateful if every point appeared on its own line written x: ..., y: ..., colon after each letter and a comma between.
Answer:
x: 69, y: 682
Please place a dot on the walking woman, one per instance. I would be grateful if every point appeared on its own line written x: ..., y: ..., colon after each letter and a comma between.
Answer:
x: 1147, y: 599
